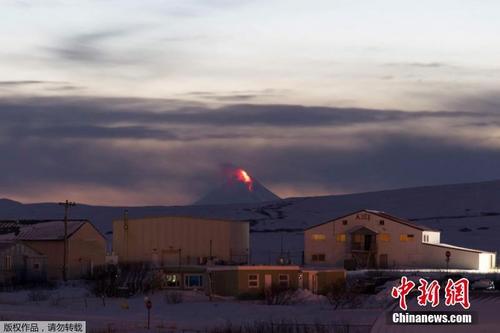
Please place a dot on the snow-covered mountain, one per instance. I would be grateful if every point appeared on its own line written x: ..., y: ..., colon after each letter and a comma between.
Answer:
x: 238, y: 187
x: 467, y: 214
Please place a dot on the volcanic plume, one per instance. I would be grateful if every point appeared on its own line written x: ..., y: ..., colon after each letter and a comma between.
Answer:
x: 238, y: 187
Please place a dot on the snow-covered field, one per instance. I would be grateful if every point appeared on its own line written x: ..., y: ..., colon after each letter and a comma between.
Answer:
x: 196, y: 312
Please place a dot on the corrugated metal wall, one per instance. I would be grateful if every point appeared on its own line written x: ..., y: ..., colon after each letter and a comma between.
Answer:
x: 165, y: 239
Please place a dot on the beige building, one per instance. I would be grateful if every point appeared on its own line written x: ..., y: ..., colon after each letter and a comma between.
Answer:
x: 319, y: 279
x: 247, y: 280
x: 373, y: 239
x: 180, y: 241
x: 237, y: 280
x: 86, y: 246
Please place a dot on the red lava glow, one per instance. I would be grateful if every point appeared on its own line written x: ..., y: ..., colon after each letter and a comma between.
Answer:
x: 243, y: 177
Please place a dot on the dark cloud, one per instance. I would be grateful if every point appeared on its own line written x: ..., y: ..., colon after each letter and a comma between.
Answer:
x: 389, y: 161
x: 66, y: 87
x: 419, y: 64
x: 108, y: 111
x: 89, y: 132
x: 169, y: 151
x: 237, y: 96
x: 231, y: 97
x: 485, y: 102
x: 28, y: 82
x: 93, y: 48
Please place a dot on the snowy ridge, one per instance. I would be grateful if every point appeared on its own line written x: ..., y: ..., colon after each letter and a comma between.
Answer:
x: 467, y: 214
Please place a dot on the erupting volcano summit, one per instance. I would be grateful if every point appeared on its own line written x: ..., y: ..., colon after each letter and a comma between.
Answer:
x: 239, y: 187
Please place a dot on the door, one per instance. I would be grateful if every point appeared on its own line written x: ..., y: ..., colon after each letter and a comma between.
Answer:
x: 268, y: 281
x: 301, y: 280
x: 383, y: 261
x: 368, y: 242
x: 313, y: 282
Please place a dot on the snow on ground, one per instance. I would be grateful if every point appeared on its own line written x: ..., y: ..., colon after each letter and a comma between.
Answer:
x: 195, y: 312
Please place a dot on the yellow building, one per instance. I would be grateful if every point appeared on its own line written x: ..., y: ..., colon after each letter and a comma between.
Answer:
x: 180, y: 241
x: 86, y: 246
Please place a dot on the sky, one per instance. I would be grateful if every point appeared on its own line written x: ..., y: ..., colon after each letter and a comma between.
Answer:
x: 141, y: 102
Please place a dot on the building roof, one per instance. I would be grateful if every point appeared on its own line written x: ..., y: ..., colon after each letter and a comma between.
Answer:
x: 400, y: 220
x: 360, y: 227
x: 168, y: 218
x: 5, y: 245
x: 6, y: 227
x: 382, y: 215
x: 255, y: 268
x: 53, y: 230
x: 312, y: 268
x: 453, y: 247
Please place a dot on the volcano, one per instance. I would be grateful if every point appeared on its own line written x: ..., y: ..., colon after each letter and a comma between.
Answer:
x: 238, y: 187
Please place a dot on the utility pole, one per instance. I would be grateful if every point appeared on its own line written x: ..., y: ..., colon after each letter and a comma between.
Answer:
x: 125, y: 229
x: 281, y: 260
x: 66, y: 205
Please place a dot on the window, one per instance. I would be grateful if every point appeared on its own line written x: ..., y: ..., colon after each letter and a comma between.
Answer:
x: 426, y: 238
x: 318, y: 237
x: 318, y: 257
x: 193, y: 281
x: 8, y: 263
x: 406, y: 237
x: 253, y: 281
x: 381, y: 222
x: 384, y: 237
x: 344, y: 222
x: 340, y: 238
x: 283, y: 280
